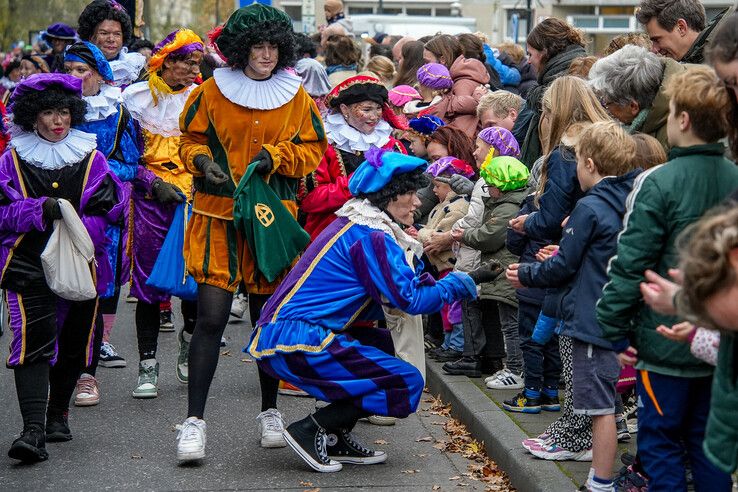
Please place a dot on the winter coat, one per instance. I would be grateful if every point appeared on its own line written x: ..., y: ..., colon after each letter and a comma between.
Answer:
x: 458, y: 107
x: 721, y: 435
x: 489, y: 238
x: 526, y: 248
x: 696, y: 53
x: 441, y: 219
x: 665, y: 200
x: 528, y: 78
x: 589, y: 241
x: 655, y: 122
x: 509, y: 75
x: 467, y: 259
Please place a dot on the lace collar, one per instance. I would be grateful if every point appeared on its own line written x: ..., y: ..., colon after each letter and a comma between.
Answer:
x: 361, y: 211
x: 126, y: 67
x: 162, y: 119
x: 102, y: 104
x: 415, y: 107
x: 34, y: 150
x: 345, y: 137
x: 272, y: 93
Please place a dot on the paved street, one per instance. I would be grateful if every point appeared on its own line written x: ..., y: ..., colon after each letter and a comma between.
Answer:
x: 126, y: 444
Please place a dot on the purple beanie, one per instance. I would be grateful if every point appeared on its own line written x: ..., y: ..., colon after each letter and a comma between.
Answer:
x: 502, y: 140
x: 435, y: 76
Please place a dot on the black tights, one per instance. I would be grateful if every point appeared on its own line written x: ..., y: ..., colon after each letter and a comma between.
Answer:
x: 269, y: 385
x: 147, y: 325
x: 109, y: 305
x: 339, y: 415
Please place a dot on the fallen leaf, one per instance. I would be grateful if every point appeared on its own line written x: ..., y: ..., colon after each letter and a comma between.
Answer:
x: 455, y: 477
x: 380, y: 442
x: 462, y: 484
x: 136, y: 457
x: 422, y: 455
x: 410, y: 472
x: 424, y: 439
x: 306, y: 484
x: 247, y: 360
x: 436, y: 487
x: 226, y: 353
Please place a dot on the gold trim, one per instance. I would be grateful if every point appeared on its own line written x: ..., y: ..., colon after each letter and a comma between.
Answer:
x: 209, y: 214
x: 20, y: 175
x: 90, y: 337
x: 23, y: 328
x: 288, y: 348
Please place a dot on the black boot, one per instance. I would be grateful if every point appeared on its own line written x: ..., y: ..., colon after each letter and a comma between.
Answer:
x: 57, y: 428
x: 30, y: 447
x: 342, y: 447
x: 466, y: 366
x: 448, y: 355
x: 308, y: 440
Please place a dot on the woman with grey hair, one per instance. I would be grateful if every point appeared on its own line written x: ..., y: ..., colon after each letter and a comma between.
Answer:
x: 630, y: 84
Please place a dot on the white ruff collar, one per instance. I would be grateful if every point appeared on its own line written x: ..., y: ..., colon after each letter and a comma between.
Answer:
x: 346, y: 137
x: 38, y: 152
x: 103, y: 104
x: 162, y: 119
x: 361, y: 211
x: 272, y: 93
x: 127, y: 67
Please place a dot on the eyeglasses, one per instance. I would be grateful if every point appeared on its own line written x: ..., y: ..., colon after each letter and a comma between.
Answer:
x: 486, y: 187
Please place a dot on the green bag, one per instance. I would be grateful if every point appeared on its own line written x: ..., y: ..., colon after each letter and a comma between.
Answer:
x: 271, y: 233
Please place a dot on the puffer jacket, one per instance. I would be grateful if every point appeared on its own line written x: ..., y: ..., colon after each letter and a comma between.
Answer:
x: 441, y: 219
x: 509, y: 75
x: 467, y: 259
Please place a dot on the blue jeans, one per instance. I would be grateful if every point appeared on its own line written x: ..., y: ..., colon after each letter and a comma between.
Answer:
x: 542, y: 362
x: 672, y: 414
x: 454, y: 339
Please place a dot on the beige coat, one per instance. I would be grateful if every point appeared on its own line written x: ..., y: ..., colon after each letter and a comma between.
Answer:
x: 441, y: 219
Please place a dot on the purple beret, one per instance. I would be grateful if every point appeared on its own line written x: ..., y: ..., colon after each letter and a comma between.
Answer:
x: 42, y: 81
x: 435, y: 76
x: 502, y: 140
x: 59, y: 31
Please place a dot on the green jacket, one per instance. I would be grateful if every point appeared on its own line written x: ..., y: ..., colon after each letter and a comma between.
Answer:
x: 696, y: 53
x: 721, y: 435
x: 665, y: 200
x: 655, y: 122
x: 490, y: 238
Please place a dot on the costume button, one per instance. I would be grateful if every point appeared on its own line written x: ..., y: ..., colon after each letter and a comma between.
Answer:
x: 54, y: 185
x: 256, y: 122
x: 255, y: 141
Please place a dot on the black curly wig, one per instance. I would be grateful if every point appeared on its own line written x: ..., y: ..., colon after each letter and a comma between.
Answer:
x: 305, y: 46
x: 102, y: 10
x: 238, y: 52
x: 27, y: 107
x: 398, y: 185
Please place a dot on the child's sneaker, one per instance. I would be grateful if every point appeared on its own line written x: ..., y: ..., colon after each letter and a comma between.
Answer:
x: 522, y: 404
x: 553, y: 452
x: 109, y: 357
x: 88, y: 391
x: 550, y: 403
x: 165, y: 321
x: 506, y: 379
x: 622, y: 429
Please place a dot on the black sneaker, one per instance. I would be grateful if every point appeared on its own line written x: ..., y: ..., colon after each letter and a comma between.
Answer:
x: 466, y: 366
x: 449, y: 355
x: 522, y: 404
x: 57, y: 428
x: 550, y: 403
x: 30, y: 447
x: 342, y: 447
x: 622, y: 429
x: 165, y: 321
x: 433, y: 353
x: 308, y: 440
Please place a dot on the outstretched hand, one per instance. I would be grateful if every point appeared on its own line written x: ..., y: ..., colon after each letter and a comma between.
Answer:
x: 659, y: 292
x: 486, y: 272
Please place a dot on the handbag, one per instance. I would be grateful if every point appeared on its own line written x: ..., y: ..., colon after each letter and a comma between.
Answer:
x: 170, y: 271
x: 68, y: 258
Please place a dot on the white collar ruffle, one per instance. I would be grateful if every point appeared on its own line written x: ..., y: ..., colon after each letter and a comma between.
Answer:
x: 272, y: 93
x: 347, y: 138
x: 127, y: 67
x: 41, y: 153
x: 103, y: 104
x: 414, y: 107
x: 361, y: 211
x: 162, y: 119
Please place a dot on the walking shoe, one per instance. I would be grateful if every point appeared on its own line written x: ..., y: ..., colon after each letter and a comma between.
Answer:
x: 466, y: 366
x: 57, y: 428
x: 165, y: 320
x: 308, y: 440
x: 223, y: 342
x: 380, y: 420
x: 550, y: 403
x: 191, y: 440
x: 271, y: 426
x: 522, y: 404
x: 288, y: 389
x: 342, y: 447
x: 88, y: 391
x: 30, y: 447
x: 622, y: 429
x: 239, y: 305
x: 535, y: 442
x: 448, y: 355
x: 553, y: 452
x: 109, y: 357
x: 431, y: 343
x: 494, y: 376
x: 506, y: 380
x: 182, y: 361
x: 433, y: 353
x: 148, y: 377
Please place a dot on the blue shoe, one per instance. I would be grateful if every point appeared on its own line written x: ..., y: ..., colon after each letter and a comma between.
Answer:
x: 550, y: 403
x: 522, y: 404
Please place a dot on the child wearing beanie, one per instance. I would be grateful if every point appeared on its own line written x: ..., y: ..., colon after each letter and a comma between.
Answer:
x: 434, y: 81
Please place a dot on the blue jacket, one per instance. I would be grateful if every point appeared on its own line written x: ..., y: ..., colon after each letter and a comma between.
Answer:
x: 560, y: 194
x: 526, y: 248
x: 590, y: 239
x: 508, y: 75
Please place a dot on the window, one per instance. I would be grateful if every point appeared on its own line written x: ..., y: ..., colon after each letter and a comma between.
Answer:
x: 443, y: 12
x: 361, y: 10
x: 416, y: 11
x: 391, y: 11
x: 294, y: 11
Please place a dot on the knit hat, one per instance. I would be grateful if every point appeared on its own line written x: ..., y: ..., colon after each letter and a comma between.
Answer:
x: 448, y: 166
x: 501, y: 140
x: 504, y: 172
x: 435, y: 76
x: 245, y: 19
x: 180, y: 42
x: 425, y: 125
x: 42, y: 81
x: 59, y: 30
x: 86, y: 52
x: 379, y: 168
x: 403, y: 94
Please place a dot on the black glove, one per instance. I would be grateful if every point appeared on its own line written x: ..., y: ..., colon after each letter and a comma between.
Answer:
x: 264, y: 163
x: 486, y: 272
x: 166, y: 193
x: 461, y: 185
x: 51, y: 209
x: 213, y: 174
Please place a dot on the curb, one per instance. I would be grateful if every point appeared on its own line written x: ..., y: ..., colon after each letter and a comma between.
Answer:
x: 501, y: 436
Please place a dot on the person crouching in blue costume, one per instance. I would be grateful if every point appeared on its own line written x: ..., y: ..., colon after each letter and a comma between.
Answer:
x: 355, y: 266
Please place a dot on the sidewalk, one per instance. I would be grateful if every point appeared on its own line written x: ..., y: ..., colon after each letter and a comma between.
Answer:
x: 502, y: 432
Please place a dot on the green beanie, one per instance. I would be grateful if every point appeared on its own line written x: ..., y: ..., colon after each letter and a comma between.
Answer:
x: 504, y: 172
x: 246, y: 18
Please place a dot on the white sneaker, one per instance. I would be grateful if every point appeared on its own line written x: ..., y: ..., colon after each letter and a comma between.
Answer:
x: 380, y: 420
x: 507, y: 381
x: 191, y: 440
x: 494, y: 376
x: 239, y: 305
x: 272, y: 427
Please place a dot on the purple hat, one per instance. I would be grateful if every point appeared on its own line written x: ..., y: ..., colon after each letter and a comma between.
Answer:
x: 502, y: 140
x: 448, y: 166
x: 435, y: 76
x: 42, y: 81
x: 59, y: 31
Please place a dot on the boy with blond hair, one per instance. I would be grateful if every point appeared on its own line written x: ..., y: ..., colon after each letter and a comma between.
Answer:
x: 673, y: 386
x: 499, y: 108
x: 605, y: 153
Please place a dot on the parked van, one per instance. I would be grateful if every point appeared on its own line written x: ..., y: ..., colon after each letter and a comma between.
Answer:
x: 416, y: 26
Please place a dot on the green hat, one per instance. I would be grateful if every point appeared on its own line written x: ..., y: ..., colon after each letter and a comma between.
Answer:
x: 245, y: 18
x: 504, y: 172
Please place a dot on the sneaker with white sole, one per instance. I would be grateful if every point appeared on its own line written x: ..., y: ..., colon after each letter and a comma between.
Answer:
x: 239, y: 306
x: 88, y: 391
x: 506, y: 380
x: 182, y: 357
x: 191, y: 440
x: 165, y: 321
x: 494, y: 376
x: 344, y: 448
x: 109, y: 357
x: 380, y: 420
x: 553, y: 452
x: 535, y: 442
x: 309, y: 441
x: 271, y: 426
x: 148, y: 379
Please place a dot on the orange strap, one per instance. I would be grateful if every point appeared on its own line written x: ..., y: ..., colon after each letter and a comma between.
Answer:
x: 646, y: 380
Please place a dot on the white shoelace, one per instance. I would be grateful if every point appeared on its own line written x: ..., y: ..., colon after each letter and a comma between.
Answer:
x: 189, y: 432
x: 271, y: 420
